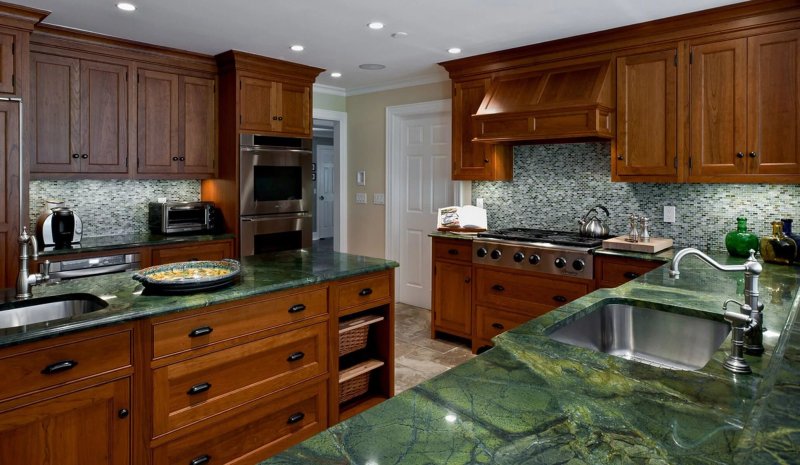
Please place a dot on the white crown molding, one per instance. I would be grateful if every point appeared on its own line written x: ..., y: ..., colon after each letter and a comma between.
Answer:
x: 330, y: 90
x: 419, y: 81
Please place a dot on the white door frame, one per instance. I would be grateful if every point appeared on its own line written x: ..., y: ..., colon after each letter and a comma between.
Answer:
x: 340, y: 182
x: 394, y: 118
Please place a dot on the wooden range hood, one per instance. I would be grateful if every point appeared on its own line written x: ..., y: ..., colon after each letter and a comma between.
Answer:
x: 548, y: 104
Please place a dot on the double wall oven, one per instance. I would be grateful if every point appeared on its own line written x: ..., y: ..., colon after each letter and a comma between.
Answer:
x: 277, y: 193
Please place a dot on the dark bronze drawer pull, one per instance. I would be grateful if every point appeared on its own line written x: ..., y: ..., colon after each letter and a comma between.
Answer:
x: 559, y: 298
x: 498, y: 288
x: 123, y: 413
x: 198, y: 388
x: 296, y: 356
x: 453, y: 251
x: 297, y: 308
x: 202, y: 460
x: 631, y: 275
x: 498, y: 326
x: 365, y: 292
x: 58, y: 367
x: 201, y: 331
x: 296, y: 417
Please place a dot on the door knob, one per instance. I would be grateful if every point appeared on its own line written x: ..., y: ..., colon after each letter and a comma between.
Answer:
x: 322, y: 197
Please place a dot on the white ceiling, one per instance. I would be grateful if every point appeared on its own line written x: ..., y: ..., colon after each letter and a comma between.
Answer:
x: 335, y: 35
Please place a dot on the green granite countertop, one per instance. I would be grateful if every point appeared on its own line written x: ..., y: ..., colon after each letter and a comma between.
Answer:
x: 125, y: 241
x: 260, y: 274
x: 533, y: 400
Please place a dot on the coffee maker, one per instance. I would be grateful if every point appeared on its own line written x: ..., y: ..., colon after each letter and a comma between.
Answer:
x: 58, y: 226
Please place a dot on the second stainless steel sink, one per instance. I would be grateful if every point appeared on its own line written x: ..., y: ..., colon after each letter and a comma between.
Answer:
x: 655, y: 337
x: 46, y: 309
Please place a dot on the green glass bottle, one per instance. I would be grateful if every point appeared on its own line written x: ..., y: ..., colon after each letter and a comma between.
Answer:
x: 778, y: 248
x: 739, y: 242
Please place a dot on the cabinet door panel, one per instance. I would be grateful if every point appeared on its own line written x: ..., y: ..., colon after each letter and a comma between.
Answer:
x: 199, y: 125
x: 470, y: 159
x: 104, y: 117
x: 647, y: 115
x: 256, y: 105
x: 55, y: 114
x: 718, y: 109
x: 7, y: 63
x: 452, y: 306
x: 157, y: 129
x: 774, y: 103
x: 79, y: 428
x: 9, y: 198
x: 294, y: 116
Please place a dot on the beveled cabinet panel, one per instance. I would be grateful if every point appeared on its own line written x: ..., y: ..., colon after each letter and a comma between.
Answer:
x: 157, y: 131
x: 7, y: 63
x: 294, y: 112
x: 199, y: 128
x: 104, y: 117
x: 257, y: 105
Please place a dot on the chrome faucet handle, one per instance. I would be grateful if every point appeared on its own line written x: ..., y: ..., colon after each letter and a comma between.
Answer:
x: 45, y: 275
x: 741, y: 324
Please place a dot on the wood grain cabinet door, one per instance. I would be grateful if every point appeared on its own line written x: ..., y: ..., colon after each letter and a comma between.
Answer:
x: 256, y: 104
x: 199, y: 125
x: 158, y: 122
x: 452, y: 299
x: 104, y: 117
x: 9, y: 197
x: 55, y: 109
x: 7, y: 63
x: 294, y: 109
x: 773, y: 105
x: 647, y: 117
x: 470, y: 159
x: 718, y: 109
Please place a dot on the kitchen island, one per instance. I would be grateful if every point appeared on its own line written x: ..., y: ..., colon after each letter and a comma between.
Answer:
x: 534, y: 400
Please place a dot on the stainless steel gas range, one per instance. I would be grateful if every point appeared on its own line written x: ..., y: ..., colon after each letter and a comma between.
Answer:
x: 543, y: 251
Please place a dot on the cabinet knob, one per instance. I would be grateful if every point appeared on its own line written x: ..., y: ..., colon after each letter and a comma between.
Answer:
x: 297, y: 308
x: 198, y: 388
x: 467, y: 280
x: 85, y: 156
x: 280, y: 118
x: 453, y: 251
x: 201, y: 331
x: 631, y: 275
x: 486, y: 160
x: 182, y: 158
x: 58, y: 367
x: 174, y: 158
x: 620, y: 156
x: 123, y: 413
x: 739, y: 155
x: 274, y: 118
x: 559, y: 298
x: 753, y: 154
x: 76, y: 155
x: 202, y: 460
x: 296, y: 417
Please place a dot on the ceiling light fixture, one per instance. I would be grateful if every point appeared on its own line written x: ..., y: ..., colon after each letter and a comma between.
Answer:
x: 297, y: 48
x: 372, y: 66
x: 124, y: 6
x: 454, y: 50
x: 375, y: 25
x: 336, y: 75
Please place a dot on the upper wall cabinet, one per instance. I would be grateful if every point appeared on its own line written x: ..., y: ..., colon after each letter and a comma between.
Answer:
x: 80, y: 114
x: 8, y: 62
x: 274, y: 107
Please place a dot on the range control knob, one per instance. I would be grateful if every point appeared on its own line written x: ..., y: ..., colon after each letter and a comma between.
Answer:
x: 578, y: 264
x: 519, y: 256
x: 561, y: 262
x: 496, y: 254
x: 534, y: 259
x: 482, y: 252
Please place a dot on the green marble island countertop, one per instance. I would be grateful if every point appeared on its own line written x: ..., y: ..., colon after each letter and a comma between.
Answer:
x: 533, y: 400
x: 260, y: 274
x: 125, y: 241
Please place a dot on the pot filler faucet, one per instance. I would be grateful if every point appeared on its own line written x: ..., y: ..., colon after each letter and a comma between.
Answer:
x: 24, y: 280
x: 748, y: 323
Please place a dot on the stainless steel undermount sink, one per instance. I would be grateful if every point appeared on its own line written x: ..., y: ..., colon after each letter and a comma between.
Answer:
x: 664, y: 339
x: 46, y: 309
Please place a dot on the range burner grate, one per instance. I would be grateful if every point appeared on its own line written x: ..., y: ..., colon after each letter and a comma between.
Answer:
x: 566, y: 238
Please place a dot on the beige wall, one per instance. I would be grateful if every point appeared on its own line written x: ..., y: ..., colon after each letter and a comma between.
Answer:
x: 329, y: 102
x: 366, y: 120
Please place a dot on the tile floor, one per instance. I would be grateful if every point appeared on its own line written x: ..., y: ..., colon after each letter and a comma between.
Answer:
x: 417, y: 356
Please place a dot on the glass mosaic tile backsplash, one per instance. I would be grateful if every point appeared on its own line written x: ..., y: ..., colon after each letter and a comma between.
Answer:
x: 555, y: 184
x: 112, y: 207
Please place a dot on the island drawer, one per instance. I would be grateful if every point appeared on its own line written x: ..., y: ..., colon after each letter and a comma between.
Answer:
x: 57, y: 364
x: 363, y: 291
x: 192, y: 332
x: 531, y: 295
x: 254, y: 431
x: 452, y: 249
x: 201, y: 387
x: 493, y: 321
x: 614, y: 271
x: 213, y: 250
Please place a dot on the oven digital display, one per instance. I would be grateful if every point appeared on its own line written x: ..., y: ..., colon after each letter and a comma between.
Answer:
x: 277, y: 183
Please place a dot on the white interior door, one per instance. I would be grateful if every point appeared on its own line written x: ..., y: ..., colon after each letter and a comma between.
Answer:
x: 325, y: 191
x: 424, y: 186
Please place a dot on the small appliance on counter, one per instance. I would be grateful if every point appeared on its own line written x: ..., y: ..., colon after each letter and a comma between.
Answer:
x: 58, y: 226
x: 183, y: 217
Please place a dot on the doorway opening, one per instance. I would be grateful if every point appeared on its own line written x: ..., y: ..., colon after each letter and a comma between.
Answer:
x: 329, y: 163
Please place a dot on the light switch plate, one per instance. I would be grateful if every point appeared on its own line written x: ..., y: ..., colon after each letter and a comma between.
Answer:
x: 669, y: 214
x: 378, y: 199
x: 361, y: 178
x: 361, y: 197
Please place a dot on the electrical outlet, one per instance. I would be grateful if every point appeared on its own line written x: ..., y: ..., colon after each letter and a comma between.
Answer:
x: 378, y: 199
x: 361, y: 197
x: 669, y: 214
x: 479, y: 202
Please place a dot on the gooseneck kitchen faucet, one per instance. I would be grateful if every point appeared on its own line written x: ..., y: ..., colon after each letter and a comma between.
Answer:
x: 24, y: 280
x: 753, y: 340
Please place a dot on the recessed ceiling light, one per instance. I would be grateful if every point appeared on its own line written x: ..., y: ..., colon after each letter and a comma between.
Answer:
x: 297, y: 48
x: 124, y: 6
x: 454, y: 50
x: 372, y: 66
x: 336, y: 75
x: 399, y: 35
x: 375, y: 25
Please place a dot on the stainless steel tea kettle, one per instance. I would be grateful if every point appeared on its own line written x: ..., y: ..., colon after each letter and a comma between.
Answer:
x: 591, y: 225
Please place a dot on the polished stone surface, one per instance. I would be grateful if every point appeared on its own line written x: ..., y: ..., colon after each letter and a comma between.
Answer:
x: 533, y: 400
x: 260, y: 274
x: 125, y: 241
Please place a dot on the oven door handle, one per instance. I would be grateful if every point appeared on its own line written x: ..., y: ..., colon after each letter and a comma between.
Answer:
x: 277, y: 217
x: 185, y: 208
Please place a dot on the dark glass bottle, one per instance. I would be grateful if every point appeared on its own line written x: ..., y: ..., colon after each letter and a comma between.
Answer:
x: 787, y: 231
x: 778, y: 248
x: 739, y: 242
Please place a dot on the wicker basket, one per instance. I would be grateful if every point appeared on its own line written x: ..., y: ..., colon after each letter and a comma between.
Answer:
x: 353, y: 387
x: 353, y: 334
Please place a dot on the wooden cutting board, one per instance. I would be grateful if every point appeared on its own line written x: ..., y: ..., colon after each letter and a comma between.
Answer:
x: 656, y: 244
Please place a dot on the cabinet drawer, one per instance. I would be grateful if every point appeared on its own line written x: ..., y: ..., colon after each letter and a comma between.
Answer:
x: 59, y: 364
x: 493, y: 321
x: 459, y: 250
x: 255, y: 431
x: 201, y: 387
x: 613, y: 271
x: 197, y: 331
x: 363, y: 291
x: 197, y: 251
x: 524, y: 293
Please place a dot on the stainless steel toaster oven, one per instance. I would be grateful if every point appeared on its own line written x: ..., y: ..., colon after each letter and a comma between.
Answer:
x: 182, y: 217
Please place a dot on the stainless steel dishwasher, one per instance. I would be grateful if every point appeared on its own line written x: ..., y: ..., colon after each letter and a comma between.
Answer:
x: 92, y: 266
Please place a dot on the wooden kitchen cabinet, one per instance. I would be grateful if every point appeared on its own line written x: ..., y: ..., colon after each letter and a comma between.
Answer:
x: 176, y: 130
x: 8, y: 62
x: 452, y: 287
x: 614, y: 271
x: 9, y: 194
x: 80, y: 116
x: 269, y: 106
x: 209, y: 250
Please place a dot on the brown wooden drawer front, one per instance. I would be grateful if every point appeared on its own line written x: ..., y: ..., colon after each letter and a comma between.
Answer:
x: 493, y: 321
x: 363, y: 291
x: 454, y: 249
x: 182, y: 335
x: 255, y: 432
x: 236, y: 375
x: 613, y: 271
x: 24, y: 372
x: 197, y: 251
x: 523, y: 293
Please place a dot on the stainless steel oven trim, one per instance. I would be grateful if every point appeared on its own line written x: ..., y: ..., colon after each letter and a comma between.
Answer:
x: 267, y: 224
x: 252, y: 156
